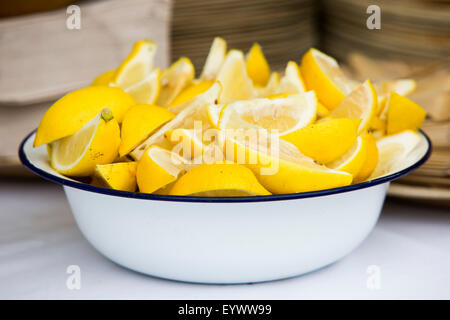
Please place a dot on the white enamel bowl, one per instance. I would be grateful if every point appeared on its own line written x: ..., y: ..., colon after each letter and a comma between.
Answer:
x: 221, y: 240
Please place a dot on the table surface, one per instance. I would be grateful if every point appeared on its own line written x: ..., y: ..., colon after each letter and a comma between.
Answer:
x: 407, y: 256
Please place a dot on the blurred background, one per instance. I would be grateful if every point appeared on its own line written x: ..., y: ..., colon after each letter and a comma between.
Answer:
x: 42, y: 57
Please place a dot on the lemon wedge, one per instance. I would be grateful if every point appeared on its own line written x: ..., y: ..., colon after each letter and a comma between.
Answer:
x: 257, y: 67
x: 190, y: 93
x: 158, y: 168
x: 402, y: 87
x: 218, y: 180
x: 137, y: 65
x: 118, y: 176
x: 323, y: 75
x: 353, y: 160
x: 70, y: 113
x: 139, y: 123
x: 292, y: 81
x: 214, y: 60
x: 361, y: 103
x: 174, y: 79
x: 371, y: 159
x: 234, y: 79
x: 147, y: 90
x: 403, y: 114
x: 271, y: 87
x: 97, y: 142
x: 104, y: 78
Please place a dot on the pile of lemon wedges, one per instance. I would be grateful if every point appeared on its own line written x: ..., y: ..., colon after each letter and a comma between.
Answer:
x: 238, y: 129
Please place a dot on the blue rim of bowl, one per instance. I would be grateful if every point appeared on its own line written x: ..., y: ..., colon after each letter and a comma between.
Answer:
x: 277, y: 197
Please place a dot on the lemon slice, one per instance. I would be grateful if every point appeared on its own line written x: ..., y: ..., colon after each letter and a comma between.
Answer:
x: 234, y: 79
x: 271, y: 87
x: 361, y: 103
x: 174, y: 79
x: 371, y: 159
x: 147, y: 90
x: 195, y: 111
x: 403, y: 114
x: 70, y: 113
x: 139, y: 122
x: 104, y: 78
x: 215, y: 59
x: 396, y: 152
x: 118, y: 176
x: 279, y: 116
x: 323, y: 75
x: 137, y: 65
x: 325, y: 141
x: 353, y: 160
x: 292, y: 81
x: 190, y: 93
x: 158, y: 168
x: 257, y: 67
x: 218, y: 180
x: 97, y: 142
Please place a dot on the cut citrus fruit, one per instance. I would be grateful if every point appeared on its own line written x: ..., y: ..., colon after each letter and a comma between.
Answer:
x: 147, y: 90
x: 271, y: 87
x: 353, y: 160
x: 188, y: 142
x: 292, y: 81
x: 174, y: 79
x: 137, y: 65
x: 67, y: 115
x: 403, y: 114
x: 361, y: 103
x: 97, y: 142
x: 104, y: 78
x: 191, y: 92
x: 402, y: 87
x: 371, y: 159
x: 323, y: 75
x: 214, y: 60
x: 157, y: 168
x: 325, y: 141
x: 139, y: 122
x: 234, y: 79
x: 219, y: 180
x: 257, y: 67
x: 118, y: 176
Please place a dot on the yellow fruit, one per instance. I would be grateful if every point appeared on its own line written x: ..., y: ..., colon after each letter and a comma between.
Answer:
x: 104, y: 78
x: 174, y: 79
x: 322, y: 111
x: 97, y: 142
x: 325, y: 141
x: 189, y: 143
x: 396, y: 152
x: 378, y: 124
x: 137, y: 66
x: 353, y: 160
x: 219, y: 180
x: 147, y: 90
x: 403, y: 114
x: 292, y: 81
x: 213, y: 112
x: 323, y: 75
x: 257, y: 67
x: 361, y: 103
x: 234, y: 79
x: 157, y: 168
x: 271, y: 87
x: 70, y: 113
x: 215, y: 59
x: 139, y: 123
x: 191, y: 92
x: 402, y: 87
x: 371, y: 159
x: 118, y: 176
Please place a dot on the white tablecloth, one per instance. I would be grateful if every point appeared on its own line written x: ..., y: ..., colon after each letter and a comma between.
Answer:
x: 410, y: 249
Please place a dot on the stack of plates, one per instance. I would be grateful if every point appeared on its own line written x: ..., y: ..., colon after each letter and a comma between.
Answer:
x: 410, y: 29
x: 284, y: 28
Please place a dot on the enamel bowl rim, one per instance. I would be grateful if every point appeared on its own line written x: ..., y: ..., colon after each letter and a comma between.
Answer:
x: 147, y: 196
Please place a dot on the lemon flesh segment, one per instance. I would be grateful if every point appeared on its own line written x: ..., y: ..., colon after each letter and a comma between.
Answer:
x: 353, y: 160
x: 361, y: 103
x: 292, y: 81
x: 174, y: 79
x: 188, y: 143
x: 158, y: 168
x: 137, y: 65
x: 279, y: 116
x: 325, y: 141
x: 371, y: 159
x: 403, y: 114
x: 118, y: 176
x: 213, y: 112
x: 95, y: 143
x: 271, y: 87
x: 257, y: 67
x: 214, y: 60
x: 397, y: 152
x: 70, y: 113
x: 139, y: 123
x: 323, y: 75
x: 191, y: 92
x: 219, y: 180
x: 147, y: 90
x: 104, y: 78
x: 234, y: 79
